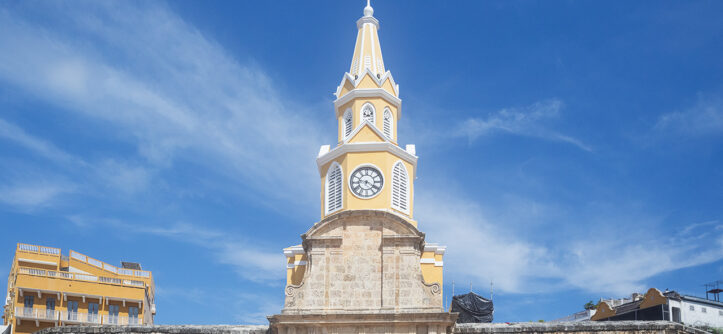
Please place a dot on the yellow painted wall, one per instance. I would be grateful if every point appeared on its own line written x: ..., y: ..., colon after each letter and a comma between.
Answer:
x: 356, y: 106
x: 30, y: 278
x: 384, y: 161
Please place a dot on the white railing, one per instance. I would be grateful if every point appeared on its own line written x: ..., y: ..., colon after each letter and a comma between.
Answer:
x: 110, y: 280
x: 78, y: 317
x: 35, y: 313
x: 95, y: 262
x: 76, y: 276
x: 32, y: 271
x: 105, y: 266
x: 120, y: 320
x: 132, y: 282
x: 78, y: 256
x: 86, y: 277
x: 39, y: 249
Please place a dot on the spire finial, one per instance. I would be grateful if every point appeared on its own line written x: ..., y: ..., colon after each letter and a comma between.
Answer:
x: 368, y: 10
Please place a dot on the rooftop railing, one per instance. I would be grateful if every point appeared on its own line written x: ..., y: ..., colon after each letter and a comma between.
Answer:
x: 38, y: 249
x: 120, y: 320
x: 73, y: 317
x: 107, y: 267
x: 80, y: 277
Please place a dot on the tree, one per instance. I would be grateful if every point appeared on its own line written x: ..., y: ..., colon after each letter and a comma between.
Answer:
x: 590, y: 305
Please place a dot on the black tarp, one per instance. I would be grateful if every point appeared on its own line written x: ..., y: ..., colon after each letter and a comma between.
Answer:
x: 472, y: 308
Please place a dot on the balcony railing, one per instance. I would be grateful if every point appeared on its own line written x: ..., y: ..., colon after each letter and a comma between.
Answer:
x: 120, y: 320
x: 79, y: 317
x: 79, y: 277
x: 102, y: 265
x: 35, y: 314
x: 38, y: 249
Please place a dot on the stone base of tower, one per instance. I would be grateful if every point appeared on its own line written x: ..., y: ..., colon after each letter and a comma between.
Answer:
x: 368, y: 323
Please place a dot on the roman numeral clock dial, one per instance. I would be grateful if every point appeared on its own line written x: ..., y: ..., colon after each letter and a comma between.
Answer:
x: 366, y: 182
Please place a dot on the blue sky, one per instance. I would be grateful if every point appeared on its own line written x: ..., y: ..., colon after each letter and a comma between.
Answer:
x: 569, y: 150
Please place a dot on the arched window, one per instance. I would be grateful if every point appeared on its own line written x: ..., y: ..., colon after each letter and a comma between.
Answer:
x: 400, y: 188
x: 347, y: 123
x: 368, y: 113
x: 388, y: 123
x: 333, y: 188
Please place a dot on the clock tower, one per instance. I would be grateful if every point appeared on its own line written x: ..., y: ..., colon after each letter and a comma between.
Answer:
x: 365, y: 267
x: 367, y: 168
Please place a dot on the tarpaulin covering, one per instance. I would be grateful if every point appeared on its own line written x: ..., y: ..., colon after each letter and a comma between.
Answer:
x: 472, y: 308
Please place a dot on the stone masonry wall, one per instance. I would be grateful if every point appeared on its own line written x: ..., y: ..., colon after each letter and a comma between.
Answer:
x: 608, y: 327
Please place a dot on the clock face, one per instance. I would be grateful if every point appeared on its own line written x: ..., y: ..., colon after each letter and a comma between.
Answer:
x: 366, y: 182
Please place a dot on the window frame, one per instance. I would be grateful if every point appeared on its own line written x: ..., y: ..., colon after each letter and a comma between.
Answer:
x: 390, y: 135
x: 327, y: 191
x: 347, y: 128
x: 407, y: 197
x: 374, y: 113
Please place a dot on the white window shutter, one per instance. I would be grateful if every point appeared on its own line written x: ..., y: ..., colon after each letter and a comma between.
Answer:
x: 388, y: 123
x: 347, y: 123
x: 333, y: 189
x: 400, y: 188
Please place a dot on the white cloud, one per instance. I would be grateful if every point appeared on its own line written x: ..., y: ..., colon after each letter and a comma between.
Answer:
x: 526, y: 121
x: 480, y: 250
x: 159, y: 84
x: 33, y: 194
x: 704, y: 118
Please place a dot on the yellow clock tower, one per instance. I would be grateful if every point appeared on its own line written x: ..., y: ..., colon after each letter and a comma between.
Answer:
x: 367, y: 169
x: 365, y: 267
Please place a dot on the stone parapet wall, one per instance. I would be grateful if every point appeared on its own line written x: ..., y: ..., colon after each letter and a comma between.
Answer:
x: 156, y: 329
x: 607, y: 327
x: 581, y: 327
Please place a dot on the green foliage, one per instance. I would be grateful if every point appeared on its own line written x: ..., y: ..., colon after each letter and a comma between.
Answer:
x: 590, y: 305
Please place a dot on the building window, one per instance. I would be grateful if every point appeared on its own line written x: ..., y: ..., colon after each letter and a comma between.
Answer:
x: 400, y: 187
x: 93, y: 312
x: 692, y: 308
x: 50, y: 308
x: 72, y: 310
x: 347, y: 123
x: 28, y: 302
x: 368, y: 113
x: 113, y: 314
x: 333, y: 188
x: 388, y: 123
x: 133, y: 315
x: 703, y: 310
x: 720, y: 312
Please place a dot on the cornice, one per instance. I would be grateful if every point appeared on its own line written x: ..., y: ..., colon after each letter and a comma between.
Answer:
x: 370, y: 92
x: 379, y: 81
x: 367, y: 147
x: 367, y: 19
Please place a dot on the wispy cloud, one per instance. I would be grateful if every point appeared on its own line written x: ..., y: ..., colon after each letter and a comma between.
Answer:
x: 482, y: 250
x: 246, y: 257
x: 525, y: 121
x: 34, y: 194
x: 704, y: 118
x: 163, y: 86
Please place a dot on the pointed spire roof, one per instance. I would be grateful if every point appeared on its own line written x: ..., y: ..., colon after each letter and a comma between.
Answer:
x: 367, y: 50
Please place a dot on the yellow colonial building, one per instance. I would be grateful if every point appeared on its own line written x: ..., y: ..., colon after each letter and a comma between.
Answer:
x: 366, y: 261
x: 46, y: 288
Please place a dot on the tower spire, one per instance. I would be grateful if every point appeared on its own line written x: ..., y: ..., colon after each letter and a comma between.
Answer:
x: 367, y: 51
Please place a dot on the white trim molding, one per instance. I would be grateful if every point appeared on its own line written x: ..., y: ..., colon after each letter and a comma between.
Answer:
x: 293, y: 250
x: 367, y: 147
x: 436, y: 248
x: 431, y: 261
x: 359, y: 128
x: 370, y: 92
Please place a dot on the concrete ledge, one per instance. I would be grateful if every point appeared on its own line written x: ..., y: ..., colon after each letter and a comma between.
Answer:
x: 574, y: 327
x: 159, y: 329
x: 584, y: 327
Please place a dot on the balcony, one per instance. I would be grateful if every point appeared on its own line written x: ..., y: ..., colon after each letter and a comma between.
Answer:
x: 79, y: 318
x: 120, y: 320
x: 80, y: 277
x: 36, y: 314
